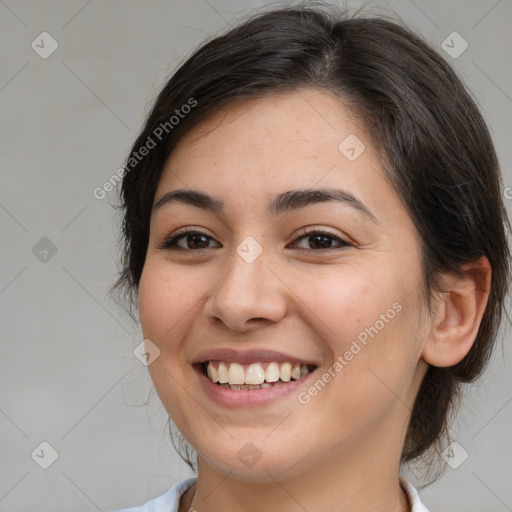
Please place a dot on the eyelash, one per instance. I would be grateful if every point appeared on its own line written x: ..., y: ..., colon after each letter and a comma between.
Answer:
x: 170, y: 243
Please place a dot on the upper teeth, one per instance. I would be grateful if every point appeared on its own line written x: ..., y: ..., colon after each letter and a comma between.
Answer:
x: 256, y: 373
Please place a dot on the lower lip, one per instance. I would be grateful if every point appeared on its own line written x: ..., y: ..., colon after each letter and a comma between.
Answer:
x: 247, y: 397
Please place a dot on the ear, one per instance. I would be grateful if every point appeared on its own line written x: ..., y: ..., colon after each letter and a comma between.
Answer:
x: 462, y: 302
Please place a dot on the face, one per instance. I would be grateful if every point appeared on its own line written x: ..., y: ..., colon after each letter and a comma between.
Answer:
x: 329, y: 281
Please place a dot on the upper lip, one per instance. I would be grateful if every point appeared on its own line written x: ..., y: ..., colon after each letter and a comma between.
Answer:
x: 248, y: 356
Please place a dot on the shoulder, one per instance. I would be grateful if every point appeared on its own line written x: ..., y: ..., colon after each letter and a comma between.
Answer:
x: 414, y: 497
x: 167, y: 502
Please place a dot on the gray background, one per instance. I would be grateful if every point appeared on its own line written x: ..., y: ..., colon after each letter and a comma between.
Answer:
x: 68, y: 374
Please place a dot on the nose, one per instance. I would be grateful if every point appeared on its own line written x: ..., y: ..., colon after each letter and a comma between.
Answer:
x: 248, y: 295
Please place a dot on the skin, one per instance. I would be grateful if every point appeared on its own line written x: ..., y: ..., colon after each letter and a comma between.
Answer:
x: 345, y: 444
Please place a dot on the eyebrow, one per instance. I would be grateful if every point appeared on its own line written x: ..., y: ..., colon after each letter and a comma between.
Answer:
x: 284, y: 202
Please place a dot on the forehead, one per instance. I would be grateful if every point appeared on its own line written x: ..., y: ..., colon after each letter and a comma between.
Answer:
x: 306, y: 136
x: 287, y: 116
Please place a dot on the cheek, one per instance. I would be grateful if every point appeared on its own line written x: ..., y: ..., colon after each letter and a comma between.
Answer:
x: 370, y: 321
x: 154, y: 303
x: 164, y: 299
x: 162, y: 309
x: 366, y: 301
x: 373, y: 365
x: 339, y: 302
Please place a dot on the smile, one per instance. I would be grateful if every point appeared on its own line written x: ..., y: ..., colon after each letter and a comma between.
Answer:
x: 260, y: 375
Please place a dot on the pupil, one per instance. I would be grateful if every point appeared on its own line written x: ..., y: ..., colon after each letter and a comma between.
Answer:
x: 325, y: 238
x: 194, y: 237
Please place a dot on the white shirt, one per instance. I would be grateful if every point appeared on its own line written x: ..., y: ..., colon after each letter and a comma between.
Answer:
x: 169, y: 501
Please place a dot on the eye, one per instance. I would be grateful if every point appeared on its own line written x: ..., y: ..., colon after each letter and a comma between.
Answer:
x: 321, y: 239
x: 193, y: 240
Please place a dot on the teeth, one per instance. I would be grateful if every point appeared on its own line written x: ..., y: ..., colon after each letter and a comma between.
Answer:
x: 240, y: 387
x: 286, y: 372
x: 212, y: 373
x: 272, y: 372
x: 222, y: 372
x: 236, y: 374
x: 254, y: 376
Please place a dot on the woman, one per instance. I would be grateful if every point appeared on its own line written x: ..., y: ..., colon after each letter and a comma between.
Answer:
x: 316, y: 241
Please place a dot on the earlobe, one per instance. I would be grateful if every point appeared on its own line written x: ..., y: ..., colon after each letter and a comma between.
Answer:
x: 458, y: 314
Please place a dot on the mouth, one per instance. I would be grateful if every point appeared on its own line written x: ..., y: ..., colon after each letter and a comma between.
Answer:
x: 257, y: 375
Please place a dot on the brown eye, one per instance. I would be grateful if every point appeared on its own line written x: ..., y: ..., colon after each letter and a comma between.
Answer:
x: 188, y: 240
x: 322, y: 240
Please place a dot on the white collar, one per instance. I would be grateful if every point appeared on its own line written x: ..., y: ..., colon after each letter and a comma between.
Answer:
x: 414, y: 497
x: 169, y: 501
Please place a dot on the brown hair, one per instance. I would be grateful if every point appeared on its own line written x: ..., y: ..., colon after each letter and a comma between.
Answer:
x: 440, y: 156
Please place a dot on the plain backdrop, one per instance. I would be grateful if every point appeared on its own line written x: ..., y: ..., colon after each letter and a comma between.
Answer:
x: 68, y: 374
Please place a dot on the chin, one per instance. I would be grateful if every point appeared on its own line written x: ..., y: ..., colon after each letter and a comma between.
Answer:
x: 254, y: 465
